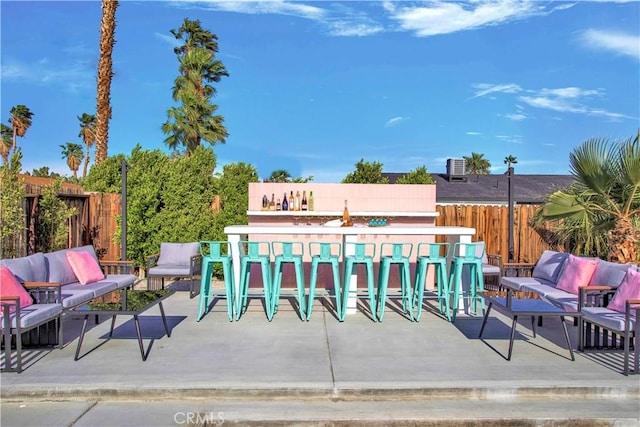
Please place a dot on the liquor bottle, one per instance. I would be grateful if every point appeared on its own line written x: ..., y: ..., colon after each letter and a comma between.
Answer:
x: 278, y: 205
x: 298, y: 201
x: 285, y: 203
x: 272, y: 204
x: 304, y: 205
x: 292, y: 202
x: 346, y: 218
x: 310, y: 200
x: 265, y: 202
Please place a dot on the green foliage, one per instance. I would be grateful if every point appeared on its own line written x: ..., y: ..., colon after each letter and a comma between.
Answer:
x: 53, y: 219
x: 105, y: 176
x: 477, y: 164
x: 417, y: 176
x: 12, y: 223
x: 366, y: 173
x: 281, y: 175
x: 233, y: 188
x: 187, y: 194
x: 195, y: 120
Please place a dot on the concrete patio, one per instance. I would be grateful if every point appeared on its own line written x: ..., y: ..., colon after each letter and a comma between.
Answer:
x: 321, y: 372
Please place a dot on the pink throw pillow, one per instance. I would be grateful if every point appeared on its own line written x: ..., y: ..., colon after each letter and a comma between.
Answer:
x: 577, y: 272
x: 84, y: 266
x: 628, y: 289
x: 10, y: 287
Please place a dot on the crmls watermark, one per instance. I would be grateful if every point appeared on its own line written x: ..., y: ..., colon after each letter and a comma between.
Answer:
x: 199, y: 418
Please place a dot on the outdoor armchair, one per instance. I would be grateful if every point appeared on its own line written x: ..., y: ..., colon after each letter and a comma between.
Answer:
x: 175, y: 260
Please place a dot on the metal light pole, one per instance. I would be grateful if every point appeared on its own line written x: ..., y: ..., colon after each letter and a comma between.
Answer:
x: 510, y: 195
x: 123, y: 195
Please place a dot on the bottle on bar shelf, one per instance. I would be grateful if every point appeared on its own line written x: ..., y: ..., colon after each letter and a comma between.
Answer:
x: 278, y: 205
x: 310, y: 203
x: 298, y: 201
x: 285, y: 203
x: 292, y: 202
x: 305, y: 205
x: 272, y: 204
x: 346, y: 218
x: 265, y: 202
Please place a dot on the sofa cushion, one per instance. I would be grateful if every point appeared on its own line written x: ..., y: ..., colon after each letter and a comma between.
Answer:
x: 549, y: 266
x: 178, y: 253
x: 609, y: 319
x: 85, y: 267
x: 32, y: 268
x: 169, y: 271
x: 10, y: 287
x: 517, y: 283
x: 36, y: 314
x: 87, y: 248
x: 628, y: 289
x: 609, y: 273
x: 577, y: 272
x: 60, y: 270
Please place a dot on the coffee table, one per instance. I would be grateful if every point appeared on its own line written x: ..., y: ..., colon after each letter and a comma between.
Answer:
x: 129, y: 302
x: 536, y: 308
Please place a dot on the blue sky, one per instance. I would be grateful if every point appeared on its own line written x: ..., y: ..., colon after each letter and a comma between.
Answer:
x: 315, y: 86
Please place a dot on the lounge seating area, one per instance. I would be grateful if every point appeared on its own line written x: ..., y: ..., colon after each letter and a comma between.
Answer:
x: 52, y: 285
x: 606, y: 294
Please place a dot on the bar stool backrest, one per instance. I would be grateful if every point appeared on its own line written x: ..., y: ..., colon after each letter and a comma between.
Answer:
x: 325, y: 250
x: 472, y: 251
x: 433, y: 250
x: 254, y: 249
x: 287, y: 250
x: 361, y: 251
x: 215, y: 249
x: 396, y: 251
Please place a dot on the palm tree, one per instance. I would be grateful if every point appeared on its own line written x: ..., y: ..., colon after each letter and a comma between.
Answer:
x: 477, y: 164
x: 20, y: 121
x: 88, y: 134
x: 72, y: 152
x: 105, y: 75
x: 6, y: 141
x: 510, y: 160
x: 195, y: 120
x: 279, y: 175
x: 601, y: 211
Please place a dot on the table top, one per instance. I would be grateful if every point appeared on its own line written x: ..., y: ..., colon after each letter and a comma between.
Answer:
x: 355, y: 230
x: 529, y: 307
x: 135, y: 302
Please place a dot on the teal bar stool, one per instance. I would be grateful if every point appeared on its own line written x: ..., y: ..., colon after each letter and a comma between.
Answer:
x: 254, y: 252
x: 395, y: 254
x: 434, y: 254
x: 359, y: 254
x: 215, y: 252
x: 466, y: 254
x: 325, y: 253
x: 287, y: 253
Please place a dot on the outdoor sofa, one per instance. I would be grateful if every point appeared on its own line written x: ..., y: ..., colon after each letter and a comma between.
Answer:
x: 606, y: 294
x: 51, y: 281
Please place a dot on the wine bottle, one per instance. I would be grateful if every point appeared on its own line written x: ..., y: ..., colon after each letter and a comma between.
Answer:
x: 310, y: 203
x: 304, y: 205
x: 265, y: 202
x: 285, y: 203
x: 298, y: 201
x: 272, y: 204
x: 292, y: 202
x: 278, y: 205
x: 346, y: 218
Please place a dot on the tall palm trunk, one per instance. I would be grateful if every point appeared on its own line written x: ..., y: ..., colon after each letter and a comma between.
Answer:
x: 623, y: 242
x: 105, y: 74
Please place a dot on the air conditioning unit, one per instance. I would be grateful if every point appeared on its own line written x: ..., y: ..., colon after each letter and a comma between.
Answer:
x: 456, y: 169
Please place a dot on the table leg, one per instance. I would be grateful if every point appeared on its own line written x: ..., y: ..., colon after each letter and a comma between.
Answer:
x: 113, y: 322
x: 84, y: 329
x: 350, y: 284
x: 484, y: 321
x: 164, y: 320
x: 566, y: 336
x: 234, y: 241
x: 513, y: 335
x: 140, y: 343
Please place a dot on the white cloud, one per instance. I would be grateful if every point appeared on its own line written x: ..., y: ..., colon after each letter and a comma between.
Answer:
x: 439, y: 17
x: 516, y: 117
x: 279, y: 7
x: 395, y: 121
x: 72, y: 76
x: 486, y: 89
x: 473, y: 133
x: 617, y: 42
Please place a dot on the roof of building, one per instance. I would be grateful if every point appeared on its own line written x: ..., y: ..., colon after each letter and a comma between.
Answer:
x: 527, y: 189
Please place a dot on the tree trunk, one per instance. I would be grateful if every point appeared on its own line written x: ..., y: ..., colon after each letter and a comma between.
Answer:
x: 105, y: 75
x: 623, y: 242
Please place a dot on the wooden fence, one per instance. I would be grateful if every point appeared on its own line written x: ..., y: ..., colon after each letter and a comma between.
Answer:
x: 492, y: 224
